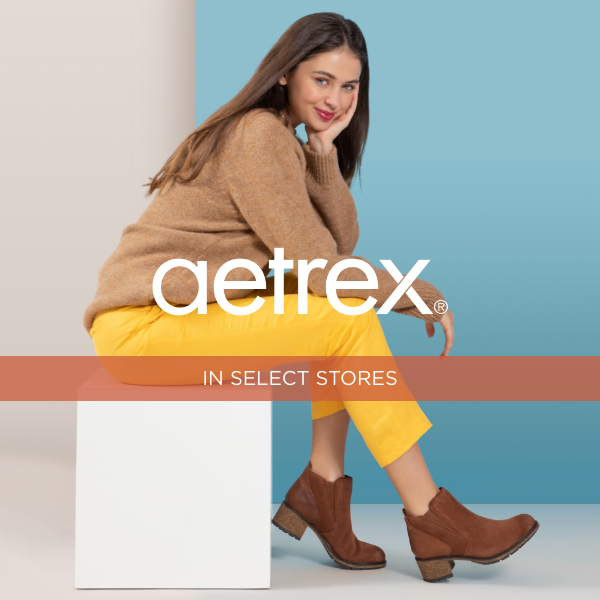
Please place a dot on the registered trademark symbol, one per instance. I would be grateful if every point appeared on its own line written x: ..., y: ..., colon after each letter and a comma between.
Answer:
x: 440, y: 307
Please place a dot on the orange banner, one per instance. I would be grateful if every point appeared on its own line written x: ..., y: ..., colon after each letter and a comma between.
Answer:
x: 294, y: 378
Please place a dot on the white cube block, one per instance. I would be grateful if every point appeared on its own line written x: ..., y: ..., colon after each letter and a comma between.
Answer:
x: 173, y: 486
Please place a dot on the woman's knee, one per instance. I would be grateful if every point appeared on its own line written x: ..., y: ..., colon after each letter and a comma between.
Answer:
x: 361, y: 322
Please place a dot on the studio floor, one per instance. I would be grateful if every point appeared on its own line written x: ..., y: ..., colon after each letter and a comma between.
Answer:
x: 37, y: 554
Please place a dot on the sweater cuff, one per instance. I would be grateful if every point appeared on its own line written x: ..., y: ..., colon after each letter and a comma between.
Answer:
x: 323, y: 167
x: 430, y: 295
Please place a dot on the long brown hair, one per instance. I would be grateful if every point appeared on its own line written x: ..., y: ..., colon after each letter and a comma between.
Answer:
x: 306, y: 38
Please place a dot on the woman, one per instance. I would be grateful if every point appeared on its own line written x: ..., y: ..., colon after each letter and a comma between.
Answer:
x: 242, y: 185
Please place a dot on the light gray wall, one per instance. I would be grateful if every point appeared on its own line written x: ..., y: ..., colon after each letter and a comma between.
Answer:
x: 96, y: 95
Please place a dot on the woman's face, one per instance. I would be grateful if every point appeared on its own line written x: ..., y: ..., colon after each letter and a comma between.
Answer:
x: 324, y: 83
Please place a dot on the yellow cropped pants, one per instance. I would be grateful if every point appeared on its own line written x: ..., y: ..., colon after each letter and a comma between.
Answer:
x: 389, y: 428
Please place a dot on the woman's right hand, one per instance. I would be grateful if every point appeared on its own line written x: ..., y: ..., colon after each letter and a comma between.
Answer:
x: 447, y: 323
x: 321, y: 142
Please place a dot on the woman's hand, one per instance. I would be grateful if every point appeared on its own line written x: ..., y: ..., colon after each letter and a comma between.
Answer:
x: 447, y: 323
x: 321, y: 142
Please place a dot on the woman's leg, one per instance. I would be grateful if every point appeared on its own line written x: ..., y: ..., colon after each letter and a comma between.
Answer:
x: 329, y: 445
x: 408, y: 473
x: 388, y: 417
x: 412, y: 481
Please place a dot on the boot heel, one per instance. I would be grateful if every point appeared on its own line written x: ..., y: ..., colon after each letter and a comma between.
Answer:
x: 289, y: 522
x: 435, y: 570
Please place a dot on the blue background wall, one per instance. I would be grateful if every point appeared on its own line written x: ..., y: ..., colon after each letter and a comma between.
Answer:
x: 483, y: 156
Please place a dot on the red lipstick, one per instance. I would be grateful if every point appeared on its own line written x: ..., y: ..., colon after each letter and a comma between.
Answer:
x: 325, y: 115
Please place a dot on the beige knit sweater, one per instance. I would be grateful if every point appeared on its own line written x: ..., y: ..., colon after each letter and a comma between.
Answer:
x: 266, y: 190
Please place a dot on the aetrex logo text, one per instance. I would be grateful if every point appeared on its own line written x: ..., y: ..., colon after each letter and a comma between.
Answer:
x: 278, y: 264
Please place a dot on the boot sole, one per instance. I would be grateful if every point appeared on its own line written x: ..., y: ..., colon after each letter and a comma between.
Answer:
x: 294, y: 524
x: 436, y: 569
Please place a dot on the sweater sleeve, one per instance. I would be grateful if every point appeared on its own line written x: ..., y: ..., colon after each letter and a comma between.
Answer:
x: 331, y: 197
x: 266, y: 179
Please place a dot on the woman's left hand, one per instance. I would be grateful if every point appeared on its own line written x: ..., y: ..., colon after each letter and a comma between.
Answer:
x: 447, y: 324
x: 322, y: 141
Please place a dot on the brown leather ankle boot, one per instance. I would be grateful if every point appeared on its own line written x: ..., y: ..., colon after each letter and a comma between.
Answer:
x: 449, y: 531
x: 324, y: 506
